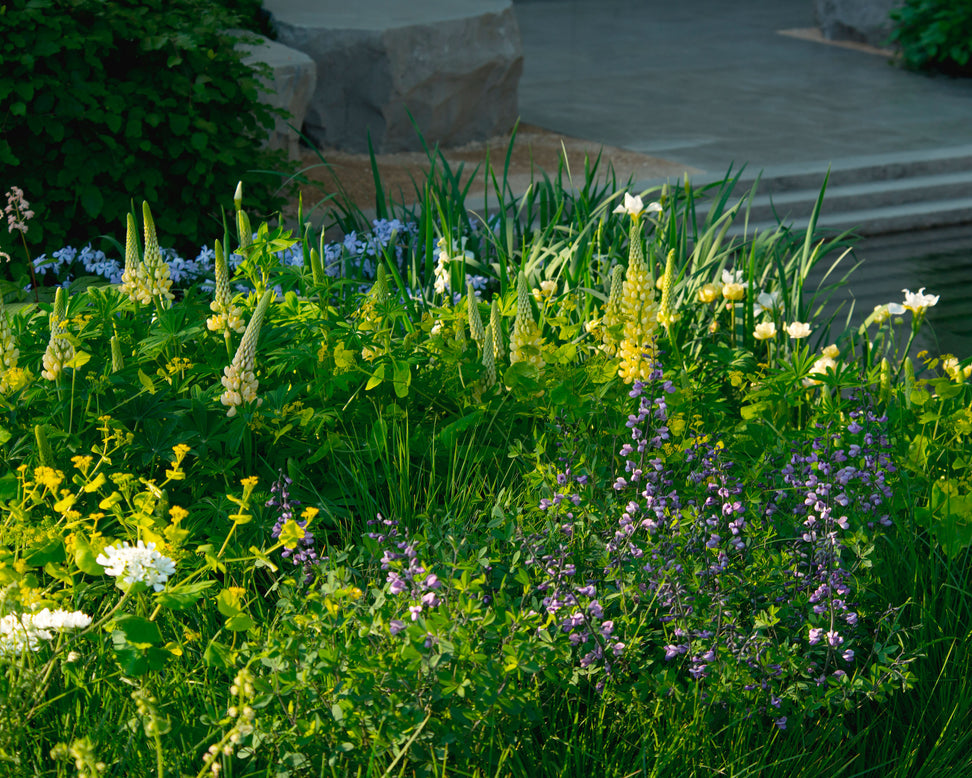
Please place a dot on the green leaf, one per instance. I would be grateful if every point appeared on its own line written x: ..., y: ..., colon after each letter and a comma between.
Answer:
x: 139, y: 630
x: 146, y: 382
x: 376, y: 378
x: 219, y: 655
x: 92, y: 201
x: 181, y: 596
x: 229, y: 603
x: 402, y: 377
x: 84, y: 556
x: 239, y: 623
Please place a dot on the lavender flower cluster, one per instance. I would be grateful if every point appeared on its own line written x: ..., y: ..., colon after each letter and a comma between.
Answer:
x: 303, y: 554
x: 752, y: 593
x: 406, y: 575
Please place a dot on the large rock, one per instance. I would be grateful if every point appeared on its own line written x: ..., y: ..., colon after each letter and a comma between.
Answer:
x: 455, y: 65
x: 864, y: 21
x: 290, y: 86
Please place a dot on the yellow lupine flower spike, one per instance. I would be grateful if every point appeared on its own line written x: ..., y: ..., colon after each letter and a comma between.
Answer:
x: 666, y: 316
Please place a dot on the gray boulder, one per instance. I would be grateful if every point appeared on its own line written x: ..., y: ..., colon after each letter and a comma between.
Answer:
x: 455, y: 65
x: 291, y: 85
x: 863, y: 21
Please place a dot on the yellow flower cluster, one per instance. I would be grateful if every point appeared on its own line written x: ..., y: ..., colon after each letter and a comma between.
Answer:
x: 525, y: 341
x: 639, y: 313
x: 59, y: 349
x: 149, y: 277
x: 239, y: 378
x: 226, y: 316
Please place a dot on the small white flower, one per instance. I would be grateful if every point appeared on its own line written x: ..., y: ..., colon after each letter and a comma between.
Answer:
x: 797, y: 330
x: 137, y: 564
x: 917, y: 302
x: 21, y: 632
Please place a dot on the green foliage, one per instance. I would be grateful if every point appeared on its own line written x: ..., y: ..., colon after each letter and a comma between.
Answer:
x: 935, y: 35
x: 103, y: 101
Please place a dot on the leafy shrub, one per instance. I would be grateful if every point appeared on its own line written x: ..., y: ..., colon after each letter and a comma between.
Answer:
x: 106, y: 101
x: 935, y: 35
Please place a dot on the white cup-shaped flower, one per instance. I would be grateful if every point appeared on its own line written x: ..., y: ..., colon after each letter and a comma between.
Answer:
x: 766, y: 302
x: 798, y: 330
x: 765, y: 330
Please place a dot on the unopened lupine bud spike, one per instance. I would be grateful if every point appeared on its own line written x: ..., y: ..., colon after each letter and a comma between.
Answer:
x: 243, y: 227
x: 495, y: 321
x: 489, y: 358
x: 317, y: 269
x: 238, y: 196
x: 475, y: 320
x: 44, y: 451
x: 117, y: 360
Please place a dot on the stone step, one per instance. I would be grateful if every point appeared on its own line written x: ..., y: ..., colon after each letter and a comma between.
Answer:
x: 797, y: 205
x: 879, y: 221
x: 856, y: 170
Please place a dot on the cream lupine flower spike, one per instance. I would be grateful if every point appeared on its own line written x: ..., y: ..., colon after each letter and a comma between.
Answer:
x: 9, y: 353
x: 525, y: 339
x: 149, y: 278
x: 239, y: 378
x: 226, y: 316
x: 59, y: 349
x: 638, y: 312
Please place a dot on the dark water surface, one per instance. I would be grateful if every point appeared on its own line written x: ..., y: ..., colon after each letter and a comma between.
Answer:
x: 938, y: 260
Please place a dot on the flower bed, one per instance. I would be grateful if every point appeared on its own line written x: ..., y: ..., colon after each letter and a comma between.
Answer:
x: 583, y: 487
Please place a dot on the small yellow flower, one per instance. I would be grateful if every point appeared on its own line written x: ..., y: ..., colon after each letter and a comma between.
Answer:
x: 734, y: 292
x: 309, y: 513
x: 249, y: 481
x: 177, y: 513
x: 709, y: 293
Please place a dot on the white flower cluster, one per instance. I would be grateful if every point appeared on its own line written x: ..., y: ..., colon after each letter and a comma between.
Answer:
x: 137, y: 564
x: 21, y: 632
